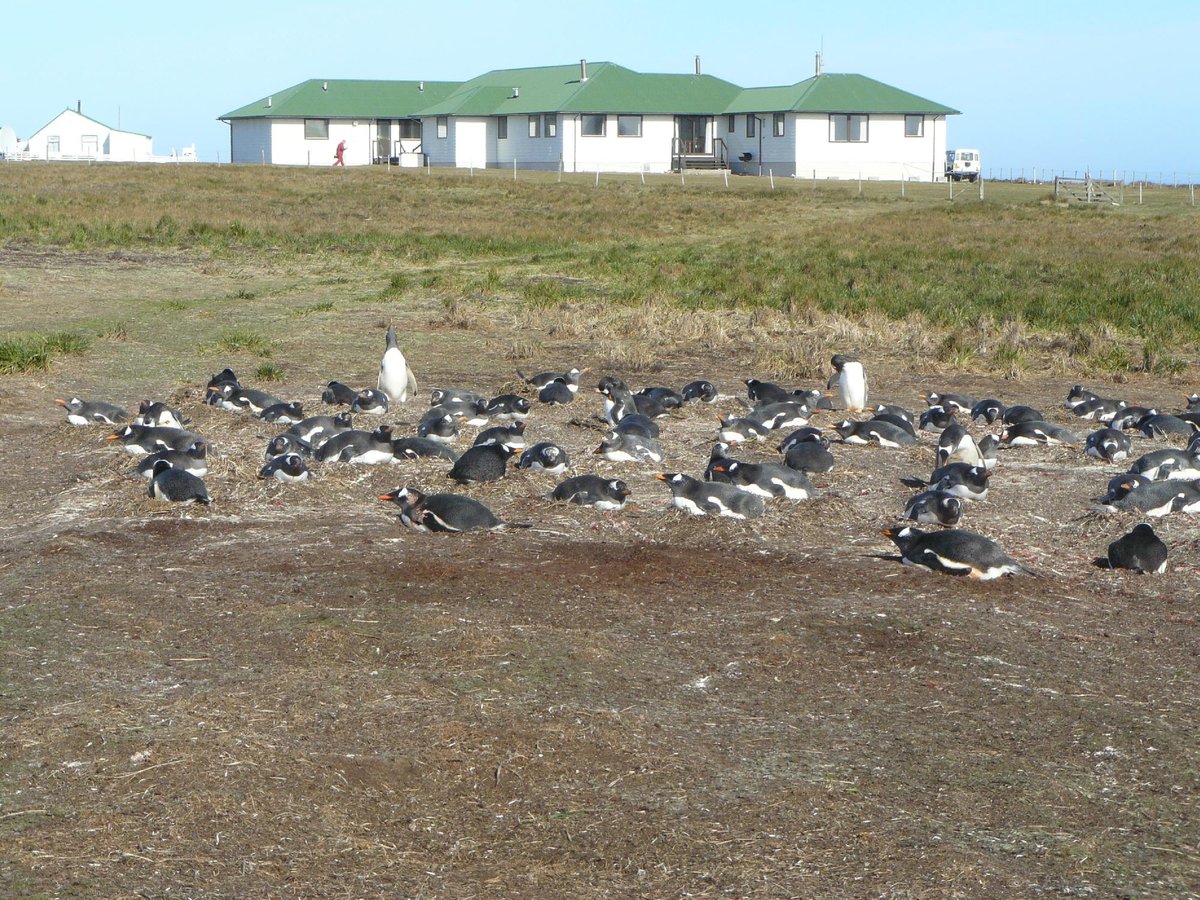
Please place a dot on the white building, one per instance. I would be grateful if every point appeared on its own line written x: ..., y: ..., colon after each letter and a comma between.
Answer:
x: 73, y: 136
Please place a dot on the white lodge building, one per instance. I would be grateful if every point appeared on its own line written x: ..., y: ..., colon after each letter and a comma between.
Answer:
x: 605, y: 118
x: 73, y: 136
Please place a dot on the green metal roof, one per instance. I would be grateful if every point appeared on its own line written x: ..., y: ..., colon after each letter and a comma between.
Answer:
x: 835, y: 93
x: 347, y: 99
x: 609, y: 89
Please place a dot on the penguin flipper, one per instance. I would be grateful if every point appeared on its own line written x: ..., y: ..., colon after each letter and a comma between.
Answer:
x: 412, y: 380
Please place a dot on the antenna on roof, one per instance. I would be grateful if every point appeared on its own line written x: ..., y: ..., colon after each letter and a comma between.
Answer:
x: 818, y: 62
x: 697, y: 64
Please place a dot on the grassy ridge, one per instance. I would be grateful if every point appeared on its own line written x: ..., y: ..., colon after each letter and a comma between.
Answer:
x: 1129, y: 272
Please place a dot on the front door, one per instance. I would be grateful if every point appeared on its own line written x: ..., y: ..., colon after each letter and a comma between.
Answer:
x: 693, y: 133
x: 383, y: 139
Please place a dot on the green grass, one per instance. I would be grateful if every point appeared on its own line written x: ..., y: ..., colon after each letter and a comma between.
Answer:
x: 242, y: 339
x: 33, y: 352
x: 268, y: 372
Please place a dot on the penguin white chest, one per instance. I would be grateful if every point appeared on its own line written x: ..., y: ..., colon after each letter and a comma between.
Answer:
x: 852, y: 385
x: 393, y: 375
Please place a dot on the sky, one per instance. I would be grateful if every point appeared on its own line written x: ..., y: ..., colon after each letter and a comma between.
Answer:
x: 1057, y: 86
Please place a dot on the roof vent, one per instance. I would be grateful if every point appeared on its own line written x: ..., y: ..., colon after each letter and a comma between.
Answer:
x: 818, y: 62
x: 516, y: 92
x: 269, y: 101
x: 421, y: 86
x: 697, y: 65
x: 583, y: 76
x: 324, y: 85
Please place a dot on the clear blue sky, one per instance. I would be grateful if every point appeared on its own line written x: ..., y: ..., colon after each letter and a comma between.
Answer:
x: 1053, y: 85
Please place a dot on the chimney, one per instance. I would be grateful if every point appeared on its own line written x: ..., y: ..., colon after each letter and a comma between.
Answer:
x: 583, y: 70
x: 421, y: 86
x: 79, y: 106
x: 269, y: 101
x: 818, y: 62
x: 516, y: 93
x: 697, y: 65
x: 324, y: 85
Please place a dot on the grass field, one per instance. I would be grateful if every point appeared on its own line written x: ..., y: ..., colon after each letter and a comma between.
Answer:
x: 287, y: 695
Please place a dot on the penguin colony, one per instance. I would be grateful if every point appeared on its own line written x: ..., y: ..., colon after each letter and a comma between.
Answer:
x: 1159, y: 481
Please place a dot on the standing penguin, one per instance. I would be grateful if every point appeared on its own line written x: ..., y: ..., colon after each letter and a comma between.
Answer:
x: 396, y: 379
x: 851, y: 382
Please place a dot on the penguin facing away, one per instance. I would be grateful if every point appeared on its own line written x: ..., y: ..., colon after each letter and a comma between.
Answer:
x: 176, y: 485
x: 1140, y: 550
x: 396, y: 378
x: 954, y: 552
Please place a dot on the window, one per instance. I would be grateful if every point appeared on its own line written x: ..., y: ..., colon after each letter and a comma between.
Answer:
x: 316, y: 129
x: 914, y: 126
x: 848, y: 128
x: 592, y: 126
x: 731, y: 124
x: 535, y: 125
x: 443, y: 126
x: 550, y: 125
x: 410, y: 129
x: 749, y: 125
x: 502, y: 128
x: 777, y: 124
x: 52, y: 144
x: 629, y: 126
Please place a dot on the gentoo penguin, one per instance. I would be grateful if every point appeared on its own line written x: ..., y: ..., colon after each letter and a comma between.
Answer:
x: 1168, y: 464
x: 935, y: 418
x: 954, y: 552
x: 718, y: 456
x: 737, y: 429
x: 1107, y: 444
x: 989, y: 410
x: 443, y: 429
x: 810, y: 457
x: 623, y: 447
x: 1120, y: 485
x: 316, y: 430
x: 987, y: 450
x: 701, y: 498
x: 513, y: 435
x: 885, y: 433
x: 240, y: 399
x: 508, y: 407
x: 92, y: 412
x: 1029, y: 434
x: 898, y: 421
x: 1015, y: 415
x: 765, y: 392
x: 545, y: 457
x: 1163, y: 425
x: 370, y: 402
x: 606, y: 494
x: 934, y: 508
x: 176, y: 485
x: 806, y: 434
x: 767, y: 480
x: 422, y: 447
x: 364, y: 448
x: 851, y: 382
x: 443, y: 512
x: 283, y: 413
x: 950, y: 402
x: 338, y: 394
x: 704, y: 391
x: 1128, y: 417
x: 464, y: 412
x: 618, y: 399
x: 1155, y: 498
x: 285, y: 443
x: 439, y: 396
x: 894, y: 411
x: 561, y: 390
x: 961, y: 480
x: 541, y: 379
x: 396, y: 377
x: 1099, y: 409
x: 784, y: 414
x: 157, y: 414
x: 955, y: 444
x: 488, y: 462
x: 648, y: 406
x: 194, y: 460
x: 1077, y: 395
x: 289, y: 467
x: 664, y: 396
x: 142, y: 439
x: 1140, y: 550
x: 1193, y: 403
x: 225, y: 376
x: 636, y: 423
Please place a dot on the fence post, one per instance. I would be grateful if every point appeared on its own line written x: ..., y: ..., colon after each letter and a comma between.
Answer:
x: 726, y: 178
x: 950, y: 182
x: 1140, y: 183
x: 514, y: 168
x: 980, y: 187
x: 860, y: 182
x: 771, y: 174
x: 901, y: 184
x: 814, y: 181
x: 597, y: 176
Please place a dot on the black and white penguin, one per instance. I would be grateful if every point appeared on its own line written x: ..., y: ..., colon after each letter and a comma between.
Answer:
x: 738, y: 429
x: 935, y: 418
x: 1015, y: 415
x: 512, y: 434
x: 701, y: 390
x: 488, y: 462
x: 338, y: 394
x: 364, y: 448
x: 225, y: 376
x: 158, y: 415
x: 561, y: 390
x: 1100, y: 409
x: 142, y: 439
x: 934, y: 508
x: 235, y: 398
x: 545, y: 457
x: 288, y: 467
x: 618, y: 399
x: 1140, y: 550
x: 809, y: 456
x: 508, y: 407
x: 1030, y: 434
x: 450, y: 513
x: 784, y: 414
x: 283, y: 413
x: 176, y: 485
x: 453, y: 396
x: 370, y: 402
x: 636, y: 423
x: 898, y: 421
x: 1163, y: 425
x: 422, y: 448
x: 1155, y: 498
x: 316, y: 430
x: 1107, y: 444
x: 885, y: 434
x: 663, y: 396
x: 759, y: 392
x: 607, y: 494
x: 954, y: 552
x: 1168, y: 464
x: 443, y: 429
x: 806, y: 435
x: 1128, y: 417
x: 285, y: 443
x: 1077, y: 395
x: 718, y: 456
x: 851, y: 381
x: 92, y: 412
x: 465, y: 412
x: 961, y: 480
x: 950, y: 402
x: 767, y: 480
x: 541, y: 379
x: 1120, y: 485
x: 702, y: 498
x: 396, y: 378
x: 955, y: 445
x: 624, y: 447
x: 988, y: 444
x: 892, y: 411
x: 194, y: 460
x: 989, y: 410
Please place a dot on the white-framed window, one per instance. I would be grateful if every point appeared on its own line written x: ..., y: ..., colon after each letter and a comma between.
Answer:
x: 750, y: 120
x: 316, y: 129
x: 502, y: 128
x: 410, y: 129
x: 550, y: 125
x: 89, y: 144
x: 629, y: 126
x: 850, y: 128
x: 535, y: 126
x: 443, y: 126
x: 52, y: 143
x: 592, y: 125
x: 731, y: 124
x: 914, y: 126
x: 777, y: 125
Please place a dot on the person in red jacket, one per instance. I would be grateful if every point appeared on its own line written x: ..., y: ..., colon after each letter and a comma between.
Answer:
x: 339, y: 154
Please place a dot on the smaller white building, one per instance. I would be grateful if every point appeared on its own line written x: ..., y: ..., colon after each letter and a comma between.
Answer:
x: 73, y: 136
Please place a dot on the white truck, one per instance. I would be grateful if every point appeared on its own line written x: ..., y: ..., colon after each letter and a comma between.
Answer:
x: 962, y: 165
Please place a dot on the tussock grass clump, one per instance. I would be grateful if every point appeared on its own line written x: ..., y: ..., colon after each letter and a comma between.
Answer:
x: 268, y: 372
x: 117, y: 330
x: 66, y: 342
x: 20, y: 355
x: 313, y: 309
x: 243, y: 339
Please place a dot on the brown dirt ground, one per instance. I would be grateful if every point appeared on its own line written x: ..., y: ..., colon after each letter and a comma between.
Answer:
x: 287, y: 695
